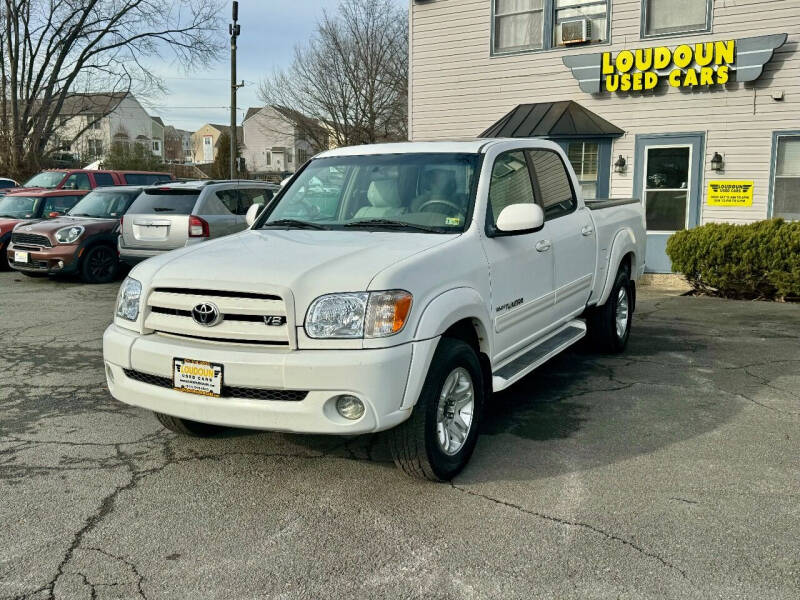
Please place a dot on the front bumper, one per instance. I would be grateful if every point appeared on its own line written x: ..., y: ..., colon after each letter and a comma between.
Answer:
x: 61, y: 258
x: 388, y: 382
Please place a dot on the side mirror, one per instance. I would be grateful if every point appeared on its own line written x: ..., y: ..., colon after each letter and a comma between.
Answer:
x: 520, y: 217
x: 54, y: 214
x: 252, y: 213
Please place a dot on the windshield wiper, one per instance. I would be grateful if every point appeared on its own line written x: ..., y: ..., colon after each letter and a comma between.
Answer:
x: 9, y: 216
x: 392, y: 224
x: 294, y: 223
x: 79, y: 215
x: 163, y: 209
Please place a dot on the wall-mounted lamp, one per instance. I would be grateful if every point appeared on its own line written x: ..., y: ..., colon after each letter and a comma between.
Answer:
x: 621, y: 165
x: 717, y: 162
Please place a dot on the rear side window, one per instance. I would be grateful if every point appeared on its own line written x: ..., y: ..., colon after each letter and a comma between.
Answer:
x: 7, y: 183
x: 250, y: 196
x: 77, y: 181
x: 229, y: 199
x: 511, y: 184
x: 167, y: 201
x: 59, y: 204
x: 145, y: 178
x: 551, y: 179
x: 103, y: 179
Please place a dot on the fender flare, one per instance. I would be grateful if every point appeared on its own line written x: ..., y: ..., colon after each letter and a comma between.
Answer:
x: 453, y: 306
x: 624, y: 243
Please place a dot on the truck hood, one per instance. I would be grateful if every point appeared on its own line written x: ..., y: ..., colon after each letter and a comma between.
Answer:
x: 304, y: 263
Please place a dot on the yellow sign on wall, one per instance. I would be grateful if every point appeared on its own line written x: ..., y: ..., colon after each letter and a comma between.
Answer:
x: 730, y: 193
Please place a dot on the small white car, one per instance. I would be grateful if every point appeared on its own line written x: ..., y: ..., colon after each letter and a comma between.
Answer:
x: 387, y: 287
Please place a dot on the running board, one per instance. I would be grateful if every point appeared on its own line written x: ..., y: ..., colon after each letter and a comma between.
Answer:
x: 525, y: 363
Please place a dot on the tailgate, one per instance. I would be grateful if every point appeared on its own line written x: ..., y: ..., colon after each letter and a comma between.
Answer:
x: 155, y: 231
x: 159, y: 219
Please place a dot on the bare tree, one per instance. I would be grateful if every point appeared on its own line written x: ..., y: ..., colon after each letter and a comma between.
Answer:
x: 55, y: 49
x: 351, y: 77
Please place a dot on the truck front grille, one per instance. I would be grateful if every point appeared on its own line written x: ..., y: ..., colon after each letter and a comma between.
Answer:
x: 246, y: 317
x: 227, y: 391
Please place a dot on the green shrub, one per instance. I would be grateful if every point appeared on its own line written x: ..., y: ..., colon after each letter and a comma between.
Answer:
x: 759, y: 260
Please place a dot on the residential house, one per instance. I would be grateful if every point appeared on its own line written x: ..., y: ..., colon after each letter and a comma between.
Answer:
x: 90, y: 123
x: 177, y: 145
x: 274, y: 141
x: 206, y: 139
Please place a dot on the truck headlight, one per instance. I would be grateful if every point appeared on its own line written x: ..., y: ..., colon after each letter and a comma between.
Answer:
x: 358, y: 314
x: 68, y: 235
x: 128, y: 299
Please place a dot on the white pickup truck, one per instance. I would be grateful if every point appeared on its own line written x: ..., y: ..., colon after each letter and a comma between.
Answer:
x: 387, y: 287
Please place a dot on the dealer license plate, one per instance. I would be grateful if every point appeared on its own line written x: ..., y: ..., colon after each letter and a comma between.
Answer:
x: 197, y: 377
x: 20, y: 257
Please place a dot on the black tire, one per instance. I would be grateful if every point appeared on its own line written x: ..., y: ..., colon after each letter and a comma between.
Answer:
x: 4, y: 266
x: 602, y: 321
x: 187, y: 427
x: 100, y: 264
x: 414, y: 444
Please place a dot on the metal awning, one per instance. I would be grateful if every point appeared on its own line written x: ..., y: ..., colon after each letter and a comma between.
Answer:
x: 565, y: 119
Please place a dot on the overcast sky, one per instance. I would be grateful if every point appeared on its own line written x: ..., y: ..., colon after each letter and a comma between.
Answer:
x: 270, y: 30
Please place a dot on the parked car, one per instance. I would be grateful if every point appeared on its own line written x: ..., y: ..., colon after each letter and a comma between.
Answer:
x: 32, y: 206
x: 6, y: 183
x: 83, y: 241
x: 172, y: 216
x: 441, y: 273
x: 87, y: 179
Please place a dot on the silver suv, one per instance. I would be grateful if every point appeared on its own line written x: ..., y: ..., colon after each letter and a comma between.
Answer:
x: 175, y: 215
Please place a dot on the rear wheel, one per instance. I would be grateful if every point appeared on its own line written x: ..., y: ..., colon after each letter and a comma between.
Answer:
x: 187, y: 427
x: 436, y: 442
x: 4, y: 266
x: 610, y: 324
x: 100, y: 265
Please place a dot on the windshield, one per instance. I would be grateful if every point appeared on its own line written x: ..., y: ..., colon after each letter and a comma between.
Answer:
x: 414, y: 192
x: 165, y: 200
x: 104, y: 205
x: 18, y: 207
x: 45, y: 179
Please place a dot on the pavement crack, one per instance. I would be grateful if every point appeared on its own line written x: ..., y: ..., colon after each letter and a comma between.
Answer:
x: 565, y: 522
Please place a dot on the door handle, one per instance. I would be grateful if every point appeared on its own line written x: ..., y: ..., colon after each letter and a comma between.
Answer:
x: 543, y: 246
x: 587, y: 230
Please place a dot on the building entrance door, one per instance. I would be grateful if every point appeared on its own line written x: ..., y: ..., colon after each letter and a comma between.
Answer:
x: 668, y: 177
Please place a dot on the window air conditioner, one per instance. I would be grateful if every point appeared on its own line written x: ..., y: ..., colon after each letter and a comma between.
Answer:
x: 576, y: 32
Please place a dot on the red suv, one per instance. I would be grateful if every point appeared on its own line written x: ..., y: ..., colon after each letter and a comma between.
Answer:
x: 84, y: 179
x: 32, y: 205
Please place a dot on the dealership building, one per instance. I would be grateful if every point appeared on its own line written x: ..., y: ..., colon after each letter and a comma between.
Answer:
x: 693, y: 106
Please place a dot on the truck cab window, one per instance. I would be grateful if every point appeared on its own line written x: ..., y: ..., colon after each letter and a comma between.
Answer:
x: 552, y: 182
x: 511, y: 184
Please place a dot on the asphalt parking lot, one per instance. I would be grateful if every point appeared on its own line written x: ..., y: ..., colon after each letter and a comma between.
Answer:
x: 670, y: 471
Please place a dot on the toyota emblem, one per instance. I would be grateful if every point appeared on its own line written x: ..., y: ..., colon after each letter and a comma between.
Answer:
x: 206, y: 314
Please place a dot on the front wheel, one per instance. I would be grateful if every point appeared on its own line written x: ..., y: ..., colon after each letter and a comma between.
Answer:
x: 610, y: 324
x: 100, y: 265
x: 436, y: 442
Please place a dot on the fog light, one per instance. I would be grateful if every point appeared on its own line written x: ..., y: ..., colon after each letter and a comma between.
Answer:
x: 61, y: 264
x: 109, y: 374
x: 350, y: 407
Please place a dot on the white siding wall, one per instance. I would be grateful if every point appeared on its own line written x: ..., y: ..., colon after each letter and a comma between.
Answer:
x: 458, y: 89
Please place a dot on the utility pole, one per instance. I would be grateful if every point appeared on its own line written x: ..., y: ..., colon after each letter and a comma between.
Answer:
x: 234, y: 30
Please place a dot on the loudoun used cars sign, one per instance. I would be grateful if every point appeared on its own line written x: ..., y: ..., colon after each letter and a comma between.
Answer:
x: 685, y: 66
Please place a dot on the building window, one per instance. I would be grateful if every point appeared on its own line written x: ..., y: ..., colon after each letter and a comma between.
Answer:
x: 786, y: 183
x: 93, y: 121
x: 302, y: 156
x: 669, y: 17
x: 520, y: 25
x: 573, y: 18
x: 94, y: 147
x: 157, y: 146
x: 584, y: 157
x: 269, y: 158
